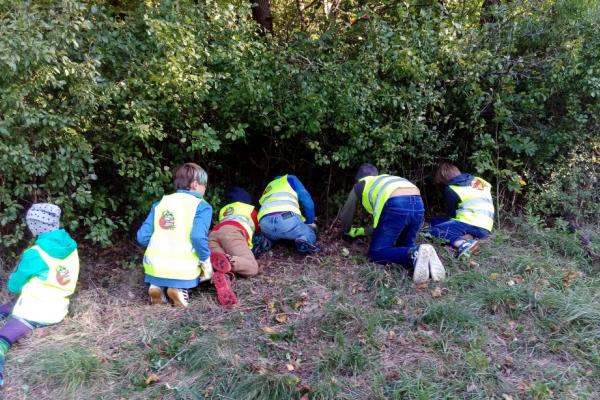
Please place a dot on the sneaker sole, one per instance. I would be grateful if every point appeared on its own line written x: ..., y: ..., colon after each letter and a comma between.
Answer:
x: 225, y: 296
x: 468, y: 253
x: 155, y: 294
x: 304, y: 247
x: 220, y: 263
x: 421, y: 273
x: 176, y: 298
x: 436, y: 268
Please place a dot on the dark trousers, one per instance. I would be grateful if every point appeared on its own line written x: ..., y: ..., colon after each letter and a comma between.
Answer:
x: 394, y: 237
x: 452, y: 230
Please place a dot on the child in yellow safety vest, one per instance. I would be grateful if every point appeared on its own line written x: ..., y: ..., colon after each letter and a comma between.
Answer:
x: 44, y: 279
x: 469, y: 202
x: 398, y: 213
x: 280, y: 216
x: 232, y: 235
x: 230, y: 242
x: 176, y: 235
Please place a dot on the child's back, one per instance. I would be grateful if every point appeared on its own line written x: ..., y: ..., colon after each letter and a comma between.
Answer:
x: 44, y: 279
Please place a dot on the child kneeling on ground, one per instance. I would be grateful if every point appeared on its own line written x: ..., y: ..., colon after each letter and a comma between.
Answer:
x: 469, y: 202
x: 176, y: 235
x: 398, y: 212
x: 230, y: 240
x: 44, y: 279
x: 233, y: 233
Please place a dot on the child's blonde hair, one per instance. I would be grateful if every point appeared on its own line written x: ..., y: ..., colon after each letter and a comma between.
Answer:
x: 445, y: 173
x: 188, y: 173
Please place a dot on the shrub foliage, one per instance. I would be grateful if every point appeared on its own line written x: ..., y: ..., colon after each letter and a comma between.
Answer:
x: 101, y: 101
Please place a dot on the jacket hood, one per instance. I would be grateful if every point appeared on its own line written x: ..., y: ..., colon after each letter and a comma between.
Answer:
x: 461, y: 180
x: 238, y: 194
x: 58, y: 243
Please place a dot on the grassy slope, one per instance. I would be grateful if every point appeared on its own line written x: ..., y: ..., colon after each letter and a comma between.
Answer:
x: 523, y: 323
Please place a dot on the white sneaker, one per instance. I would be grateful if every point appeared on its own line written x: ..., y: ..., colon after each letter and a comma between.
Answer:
x: 421, y: 261
x: 180, y: 297
x: 157, y: 295
x: 436, y: 268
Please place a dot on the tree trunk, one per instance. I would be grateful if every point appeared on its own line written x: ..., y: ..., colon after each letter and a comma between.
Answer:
x: 261, y: 13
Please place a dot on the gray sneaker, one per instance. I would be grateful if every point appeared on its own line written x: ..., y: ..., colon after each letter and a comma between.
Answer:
x: 421, y: 262
x: 436, y: 268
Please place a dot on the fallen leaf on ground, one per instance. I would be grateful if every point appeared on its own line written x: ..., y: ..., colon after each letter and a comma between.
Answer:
x: 281, y: 318
x: 270, y: 304
x: 152, y: 378
x: 473, y: 264
x: 290, y: 367
x: 393, y: 376
x: 267, y: 329
x: 302, y: 301
x: 507, y: 396
x: 437, y: 292
x: 304, y: 389
x: 570, y: 277
x: 422, y: 285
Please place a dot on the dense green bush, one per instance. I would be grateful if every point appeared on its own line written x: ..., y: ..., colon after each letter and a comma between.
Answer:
x: 100, y: 102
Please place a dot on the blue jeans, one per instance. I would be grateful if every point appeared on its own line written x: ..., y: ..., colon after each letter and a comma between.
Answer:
x: 395, y: 235
x: 288, y: 226
x: 452, y: 230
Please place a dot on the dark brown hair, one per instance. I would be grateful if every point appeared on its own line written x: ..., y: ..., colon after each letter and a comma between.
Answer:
x: 445, y: 173
x: 188, y: 173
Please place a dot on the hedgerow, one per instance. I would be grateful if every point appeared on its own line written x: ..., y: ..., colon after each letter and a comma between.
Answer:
x: 99, y: 103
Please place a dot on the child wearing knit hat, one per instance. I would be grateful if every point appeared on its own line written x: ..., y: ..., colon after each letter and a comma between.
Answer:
x: 44, y: 279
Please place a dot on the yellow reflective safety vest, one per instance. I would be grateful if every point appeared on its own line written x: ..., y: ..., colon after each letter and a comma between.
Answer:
x: 279, y: 197
x: 47, y: 301
x: 240, y: 213
x: 170, y: 253
x: 378, y: 189
x: 476, y: 206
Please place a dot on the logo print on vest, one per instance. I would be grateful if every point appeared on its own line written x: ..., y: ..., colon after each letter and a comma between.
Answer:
x: 478, y: 184
x: 62, y: 275
x: 167, y: 220
x: 228, y: 212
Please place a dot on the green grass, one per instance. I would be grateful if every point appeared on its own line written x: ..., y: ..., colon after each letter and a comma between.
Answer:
x: 524, y: 321
x: 449, y: 315
x: 69, y: 367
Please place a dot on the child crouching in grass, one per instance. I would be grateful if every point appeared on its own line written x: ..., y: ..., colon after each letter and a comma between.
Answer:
x: 44, y: 279
x: 469, y: 202
x: 176, y: 235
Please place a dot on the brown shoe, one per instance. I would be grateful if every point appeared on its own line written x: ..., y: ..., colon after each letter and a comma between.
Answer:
x: 179, y: 297
x: 157, y: 296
